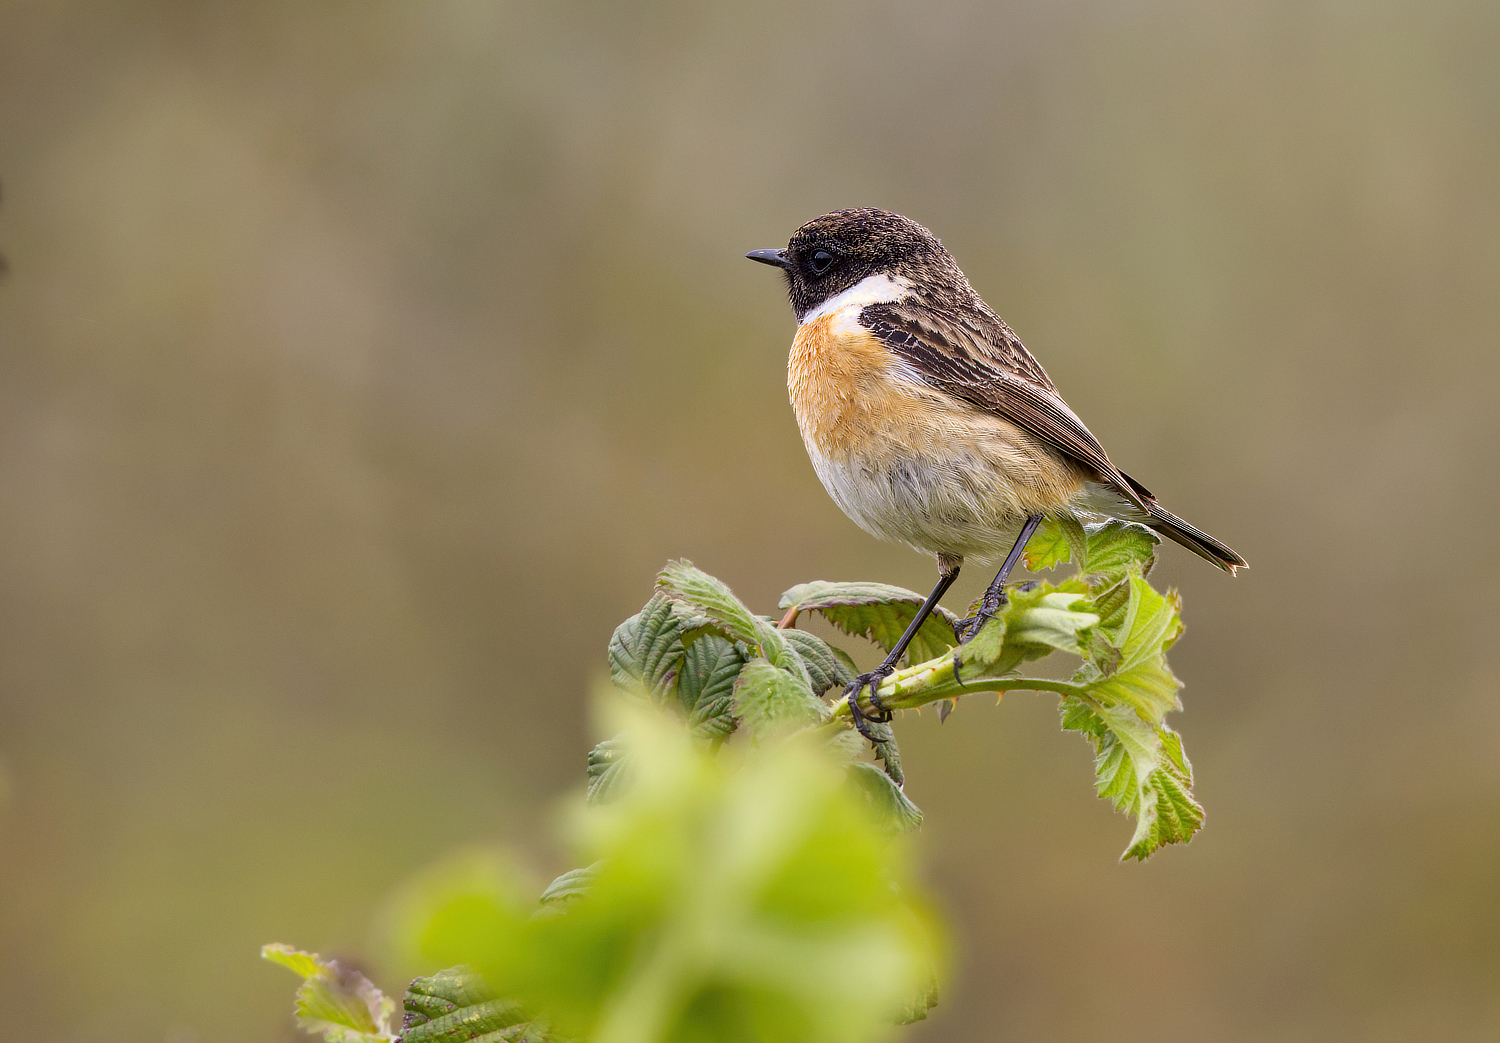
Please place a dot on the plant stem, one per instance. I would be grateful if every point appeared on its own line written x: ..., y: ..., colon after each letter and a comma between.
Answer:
x: 948, y: 677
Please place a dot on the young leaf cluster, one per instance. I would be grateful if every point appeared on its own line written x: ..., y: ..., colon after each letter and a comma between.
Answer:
x: 1120, y: 628
x: 696, y: 650
x: 727, y: 896
x: 755, y: 889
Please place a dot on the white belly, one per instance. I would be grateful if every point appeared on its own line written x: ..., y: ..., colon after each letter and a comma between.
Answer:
x: 957, y: 507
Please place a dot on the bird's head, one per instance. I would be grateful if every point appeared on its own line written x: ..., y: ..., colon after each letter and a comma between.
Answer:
x: 838, y: 251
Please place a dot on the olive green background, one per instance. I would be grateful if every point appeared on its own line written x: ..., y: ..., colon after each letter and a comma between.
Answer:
x: 360, y: 362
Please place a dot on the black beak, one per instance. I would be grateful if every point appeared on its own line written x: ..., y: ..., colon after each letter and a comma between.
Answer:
x: 776, y: 257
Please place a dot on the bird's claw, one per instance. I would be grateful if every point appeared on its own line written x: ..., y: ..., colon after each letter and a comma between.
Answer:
x: 880, y: 714
x: 965, y: 629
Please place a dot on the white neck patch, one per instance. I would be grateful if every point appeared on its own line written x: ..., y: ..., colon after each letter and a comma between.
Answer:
x: 872, y: 289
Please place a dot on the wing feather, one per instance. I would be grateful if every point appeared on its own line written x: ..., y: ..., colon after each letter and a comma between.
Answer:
x: 975, y: 357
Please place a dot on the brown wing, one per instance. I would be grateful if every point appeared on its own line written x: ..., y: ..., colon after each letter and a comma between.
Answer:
x: 978, y: 359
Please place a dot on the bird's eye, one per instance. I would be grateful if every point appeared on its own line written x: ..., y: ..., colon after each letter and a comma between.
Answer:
x: 820, y: 261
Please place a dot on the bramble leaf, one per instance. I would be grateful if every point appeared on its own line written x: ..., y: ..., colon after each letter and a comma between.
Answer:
x: 607, y: 771
x: 1127, y: 690
x: 458, y: 1006
x: 768, y: 699
x: 883, y: 745
x: 306, y: 964
x: 827, y: 667
x: 1056, y: 542
x: 1045, y: 619
x: 705, y: 686
x: 878, y: 612
x: 1129, y: 666
x: 891, y: 805
x: 1032, y: 624
x: 704, y: 596
x: 335, y: 1000
x: 710, y: 598
x: 1110, y: 604
x: 646, y: 650
x: 889, y: 754
x: 1140, y: 769
x: 1114, y: 548
x: 650, y: 655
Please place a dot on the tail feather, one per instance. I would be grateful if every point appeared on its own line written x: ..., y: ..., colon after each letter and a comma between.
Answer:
x: 1195, y: 540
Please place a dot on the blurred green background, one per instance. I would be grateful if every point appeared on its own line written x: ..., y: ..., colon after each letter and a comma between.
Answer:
x: 361, y: 363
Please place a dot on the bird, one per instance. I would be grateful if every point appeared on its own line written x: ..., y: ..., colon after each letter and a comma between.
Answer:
x: 928, y: 421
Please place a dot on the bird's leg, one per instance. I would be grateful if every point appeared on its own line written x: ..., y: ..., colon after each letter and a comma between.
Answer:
x: 994, y: 596
x: 948, y: 566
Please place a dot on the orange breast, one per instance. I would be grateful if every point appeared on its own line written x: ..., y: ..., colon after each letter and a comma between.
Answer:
x: 840, y: 379
x: 865, y: 419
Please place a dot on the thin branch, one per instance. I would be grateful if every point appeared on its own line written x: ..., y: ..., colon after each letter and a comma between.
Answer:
x: 949, y: 677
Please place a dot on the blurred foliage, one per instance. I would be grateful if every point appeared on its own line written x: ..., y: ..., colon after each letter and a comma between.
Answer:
x: 728, y: 898
x: 739, y: 892
x: 357, y: 360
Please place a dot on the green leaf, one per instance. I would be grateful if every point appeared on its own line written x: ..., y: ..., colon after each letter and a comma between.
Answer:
x: 705, y: 686
x: 458, y: 1006
x: 827, y: 667
x: 650, y: 654
x: 1054, y: 544
x: 1140, y: 769
x: 575, y: 883
x: 306, y: 964
x: 335, y: 1000
x: 1033, y: 623
x: 878, y: 612
x: 769, y: 700
x: 608, y: 772
x: 1110, y: 603
x: 889, y: 802
x: 646, y: 650
x: 710, y: 598
x: 1130, y: 667
x: 772, y: 691
x: 1115, y: 548
x: 889, y: 754
x: 1151, y: 622
x: 1046, y: 620
x: 883, y: 742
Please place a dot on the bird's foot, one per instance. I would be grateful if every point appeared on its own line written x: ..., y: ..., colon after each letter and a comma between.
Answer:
x: 994, y: 601
x: 965, y: 629
x: 880, y: 714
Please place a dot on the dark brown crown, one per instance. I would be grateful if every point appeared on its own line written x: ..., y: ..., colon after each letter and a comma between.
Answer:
x: 862, y: 242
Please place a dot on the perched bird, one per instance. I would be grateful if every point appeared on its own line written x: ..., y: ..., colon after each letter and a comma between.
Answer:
x: 928, y: 421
